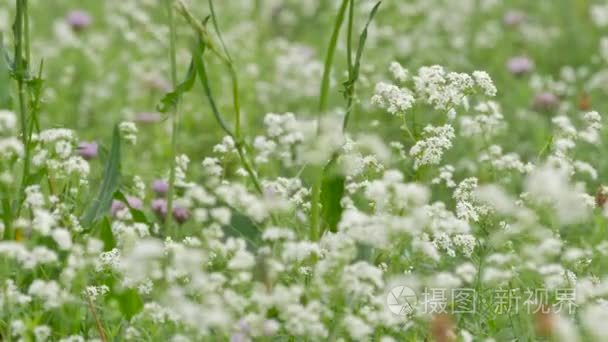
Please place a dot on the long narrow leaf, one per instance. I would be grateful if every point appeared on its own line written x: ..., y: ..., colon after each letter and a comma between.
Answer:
x: 349, y: 85
x: 199, y: 63
x: 169, y: 101
x: 329, y: 57
x: 101, y: 204
x: 362, y: 40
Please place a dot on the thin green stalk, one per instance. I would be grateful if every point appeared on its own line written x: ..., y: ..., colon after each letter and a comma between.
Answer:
x: 21, y: 41
x: 349, y: 91
x: 26, y: 31
x: 349, y: 38
x: 353, y: 69
x: 174, y: 117
x: 233, y: 75
x: 350, y: 84
x: 314, y: 208
x: 407, y: 130
x: 329, y: 58
x: 202, y: 72
x: 324, y: 93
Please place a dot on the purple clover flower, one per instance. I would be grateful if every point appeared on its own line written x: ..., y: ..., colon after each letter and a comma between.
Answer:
x: 134, y: 203
x: 180, y: 214
x: 88, y: 150
x: 159, y: 207
x: 160, y: 187
x: 148, y: 117
x: 520, y: 65
x: 545, y: 101
x: 78, y: 20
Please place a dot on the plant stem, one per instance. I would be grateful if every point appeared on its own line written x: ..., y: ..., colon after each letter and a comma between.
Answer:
x: 26, y: 31
x: 236, y: 103
x: 353, y: 68
x: 21, y: 40
x: 316, y: 187
x: 350, y: 88
x: 100, y: 330
x: 349, y: 38
x: 407, y: 130
x: 233, y: 76
x: 239, y: 145
x: 328, y: 63
x: 175, y: 116
x: 248, y: 168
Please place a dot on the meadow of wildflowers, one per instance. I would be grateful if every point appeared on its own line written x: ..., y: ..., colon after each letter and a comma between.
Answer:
x: 289, y: 170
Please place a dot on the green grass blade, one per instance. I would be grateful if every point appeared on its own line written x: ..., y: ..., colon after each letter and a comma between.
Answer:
x: 354, y: 72
x: 362, y: 40
x: 329, y: 57
x: 101, y: 204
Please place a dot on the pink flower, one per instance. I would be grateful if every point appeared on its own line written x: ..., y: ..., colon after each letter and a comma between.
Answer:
x: 520, y: 65
x: 148, y: 117
x: 180, y: 214
x: 545, y: 101
x: 88, y: 150
x: 159, y: 206
x: 78, y: 20
x: 160, y: 187
x: 514, y: 18
x: 134, y: 203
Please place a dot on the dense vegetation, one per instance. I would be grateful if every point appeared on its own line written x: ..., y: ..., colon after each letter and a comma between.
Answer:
x: 288, y: 170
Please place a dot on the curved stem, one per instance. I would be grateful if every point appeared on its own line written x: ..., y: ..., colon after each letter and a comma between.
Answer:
x: 407, y: 130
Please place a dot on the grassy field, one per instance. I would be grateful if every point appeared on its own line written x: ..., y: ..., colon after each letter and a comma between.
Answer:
x: 287, y: 170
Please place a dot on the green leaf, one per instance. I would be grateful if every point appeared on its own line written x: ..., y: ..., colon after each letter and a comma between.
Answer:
x: 349, y: 85
x: 332, y: 190
x: 169, y: 101
x: 101, y: 205
x: 243, y: 227
x: 362, y: 40
x: 130, y: 303
x: 106, y: 235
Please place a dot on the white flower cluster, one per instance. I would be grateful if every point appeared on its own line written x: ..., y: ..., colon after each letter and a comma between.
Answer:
x: 445, y: 90
x: 128, y: 131
x: 395, y: 100
x: 430, y: 149
x: 462, y: 202
x: 56, y: 151
x: 487, y: 124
